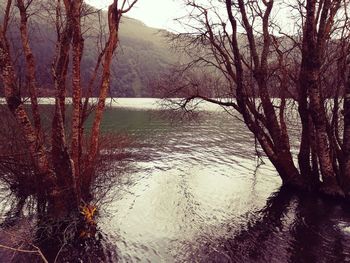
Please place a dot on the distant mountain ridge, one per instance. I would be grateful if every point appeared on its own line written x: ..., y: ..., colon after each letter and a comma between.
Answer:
x: 143, y: 53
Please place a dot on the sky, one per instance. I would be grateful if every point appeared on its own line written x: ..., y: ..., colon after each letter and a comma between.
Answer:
x: 154, y: 13
x: 161, y: 13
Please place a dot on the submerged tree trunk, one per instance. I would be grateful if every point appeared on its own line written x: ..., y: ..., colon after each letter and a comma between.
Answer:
x: 61, y: 159
x: 48, y: 190
x: 312, y: 59
x: 252, y: 65
x: 57, y: 166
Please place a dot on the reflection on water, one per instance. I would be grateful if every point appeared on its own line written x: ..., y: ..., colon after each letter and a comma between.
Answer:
x: 193, y: 194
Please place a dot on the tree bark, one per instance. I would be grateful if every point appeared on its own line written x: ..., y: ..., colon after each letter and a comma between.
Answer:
x: 312, y: 53
x: 276, y: 146
x: 114, y: 16
x: 76, y: 87
x: 37, y: 151
x: 61, y: 160
x: 345, y: 169
x: 30, y: 69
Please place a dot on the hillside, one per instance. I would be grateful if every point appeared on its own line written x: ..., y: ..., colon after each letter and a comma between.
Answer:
x: 143, y: 53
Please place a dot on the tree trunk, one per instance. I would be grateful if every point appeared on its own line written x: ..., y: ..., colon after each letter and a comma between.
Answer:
x: 312, y: 53
x: 114, y: 16
x: 61, y: 160
x: 30, y: 69
x: 48, y: 190
x: 76, y: 87
x: 305, y: 147
x: 276, y: 144
x: 345, y: 169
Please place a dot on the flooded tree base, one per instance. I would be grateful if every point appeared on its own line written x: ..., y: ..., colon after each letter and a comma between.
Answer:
x: 292, y: 227
x: 72, y: 239
x: 195, y: 201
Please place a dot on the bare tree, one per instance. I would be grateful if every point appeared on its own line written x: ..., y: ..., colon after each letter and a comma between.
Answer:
x: 63, y: 179
x: 247, y: 47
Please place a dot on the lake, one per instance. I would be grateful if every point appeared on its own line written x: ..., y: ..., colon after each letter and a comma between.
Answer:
x: 192, y: 191
x: 195, y: 194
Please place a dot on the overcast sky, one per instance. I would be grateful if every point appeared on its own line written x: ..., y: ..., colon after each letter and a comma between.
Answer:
x: 154, y: 13
x: 161, y: 13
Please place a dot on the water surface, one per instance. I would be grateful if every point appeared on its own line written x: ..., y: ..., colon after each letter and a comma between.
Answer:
x: 191, y: 191
x: 195, y: 194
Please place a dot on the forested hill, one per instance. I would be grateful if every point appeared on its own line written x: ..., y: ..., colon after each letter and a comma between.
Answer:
x: 143, y: 53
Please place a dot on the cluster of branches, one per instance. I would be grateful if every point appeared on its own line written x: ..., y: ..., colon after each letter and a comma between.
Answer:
x: 258, y: 55
x: 63, y: 169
